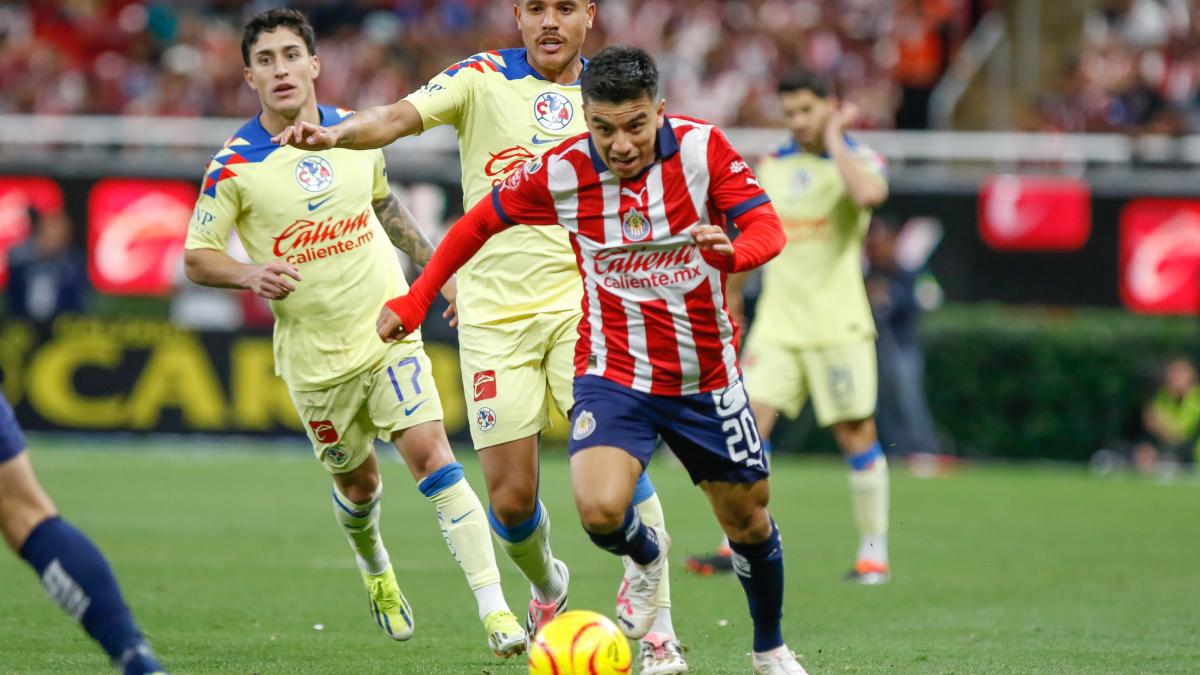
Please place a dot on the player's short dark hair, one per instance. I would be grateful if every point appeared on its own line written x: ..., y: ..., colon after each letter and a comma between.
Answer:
x: 271, y: 19
x: 802, y: 80
x: 618, y: 74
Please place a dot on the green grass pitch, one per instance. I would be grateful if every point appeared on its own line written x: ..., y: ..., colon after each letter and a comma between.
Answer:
x: 230, y: 559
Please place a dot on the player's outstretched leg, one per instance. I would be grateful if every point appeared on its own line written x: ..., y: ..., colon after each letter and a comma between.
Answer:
x: 521, y: 526
x: 741, y: 508
x: 659, y: 651
x: 868, y: 477
x: 73, y: 571
x: 356, y: 506
x: 464, y: 527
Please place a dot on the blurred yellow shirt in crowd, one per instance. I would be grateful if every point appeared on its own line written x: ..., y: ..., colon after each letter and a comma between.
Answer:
x: 813, y: 292
x: 505, y: 113
x: 312, y: 210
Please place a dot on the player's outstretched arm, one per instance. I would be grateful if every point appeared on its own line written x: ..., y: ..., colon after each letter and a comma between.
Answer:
x: 402, y: 229
x: 368, y: 129
x: 210, y: 267
x: 405, y: 234
x: 403, y: 315
x: 868, y: 189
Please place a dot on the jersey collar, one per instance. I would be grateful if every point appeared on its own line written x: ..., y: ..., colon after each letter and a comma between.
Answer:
x: 524, y: 67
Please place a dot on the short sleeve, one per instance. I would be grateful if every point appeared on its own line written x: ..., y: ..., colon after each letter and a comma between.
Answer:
x: 444, y: 99
x: 524, y: 196
x: 379, y: 186
x: 733, y: 188
x: 216, y: 213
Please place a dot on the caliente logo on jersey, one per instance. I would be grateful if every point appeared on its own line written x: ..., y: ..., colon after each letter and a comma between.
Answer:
x: 314, y: 173
x: 553, y: 111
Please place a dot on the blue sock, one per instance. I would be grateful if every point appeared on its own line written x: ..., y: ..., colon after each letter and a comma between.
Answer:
x: 760, y: 569
x: 643, y: 490
x: 866, y: 458
x: 77, y: 577
x: 632, y: 538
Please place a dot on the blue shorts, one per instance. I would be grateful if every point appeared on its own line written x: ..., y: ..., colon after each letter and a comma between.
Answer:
x: 714, y: 434
x: 11, y: 440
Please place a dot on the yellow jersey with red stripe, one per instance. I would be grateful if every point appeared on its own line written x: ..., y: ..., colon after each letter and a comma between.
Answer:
x: 504, y: 114
x: 313, y: 210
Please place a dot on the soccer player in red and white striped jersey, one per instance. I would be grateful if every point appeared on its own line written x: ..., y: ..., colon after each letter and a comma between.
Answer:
x: 646, y: 198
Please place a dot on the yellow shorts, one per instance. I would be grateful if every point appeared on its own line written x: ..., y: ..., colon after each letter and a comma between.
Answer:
x: 516, y: 373
x: 344, y: 420
x: 842, y: 379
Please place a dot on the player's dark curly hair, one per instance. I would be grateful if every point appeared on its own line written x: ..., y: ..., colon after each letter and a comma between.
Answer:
x: 271, y: 19
x: 802, y: 80
x: 618, y: 74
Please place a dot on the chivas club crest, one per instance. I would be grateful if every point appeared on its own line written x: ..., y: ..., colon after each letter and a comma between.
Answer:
x: 635, y: 226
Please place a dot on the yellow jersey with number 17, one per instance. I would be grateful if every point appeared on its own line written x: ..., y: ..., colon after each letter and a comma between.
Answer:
x: 505, y: 113
x: 813, y: 292
x: 313, y: 210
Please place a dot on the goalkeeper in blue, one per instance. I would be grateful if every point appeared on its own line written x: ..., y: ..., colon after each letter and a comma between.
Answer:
x: 73, y: 572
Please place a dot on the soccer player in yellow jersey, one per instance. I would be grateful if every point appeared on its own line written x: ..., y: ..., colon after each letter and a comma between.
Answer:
x: 320, y: 229
x: 813, y: 335
x: 519, y: 299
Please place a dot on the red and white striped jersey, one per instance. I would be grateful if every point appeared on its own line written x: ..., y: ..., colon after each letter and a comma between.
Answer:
x: 654, y: 313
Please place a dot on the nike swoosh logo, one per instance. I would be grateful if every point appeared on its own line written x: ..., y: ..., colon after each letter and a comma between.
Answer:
x: 410, y: 411
x: 314, y: 207
x: 455, y: 521
x: 543, y: 141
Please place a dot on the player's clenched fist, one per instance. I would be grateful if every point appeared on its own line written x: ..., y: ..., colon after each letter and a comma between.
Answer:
x: 388, y: 325
x: 270, y: 281
x: 307, y: 136
x: 714, y: 245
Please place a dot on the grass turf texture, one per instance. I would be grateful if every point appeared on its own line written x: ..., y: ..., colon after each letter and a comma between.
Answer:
x: 231, y: 557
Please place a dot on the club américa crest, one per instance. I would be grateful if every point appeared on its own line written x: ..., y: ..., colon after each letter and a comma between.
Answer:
x: 635, y: 225
x: 314, y: 173
x: 553, y: 111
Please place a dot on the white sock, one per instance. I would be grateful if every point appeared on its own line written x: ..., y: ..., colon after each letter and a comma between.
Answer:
x: 360, y: 522
x: 869, y: 501
x: 873, y: 547
x: 464, y: 528
x: 532, y: 555
x: 651, y: 512
x: 490, y: 598
x: 662, y: 622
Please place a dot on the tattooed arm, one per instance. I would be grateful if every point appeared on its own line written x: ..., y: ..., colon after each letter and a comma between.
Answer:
x: 402, y: 229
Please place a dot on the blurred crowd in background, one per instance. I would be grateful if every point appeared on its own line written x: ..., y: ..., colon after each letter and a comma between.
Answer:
x: 719, y: 58
x: 1139, y: 72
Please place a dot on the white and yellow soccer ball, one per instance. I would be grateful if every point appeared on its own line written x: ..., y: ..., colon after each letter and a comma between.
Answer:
x: 579, y: 643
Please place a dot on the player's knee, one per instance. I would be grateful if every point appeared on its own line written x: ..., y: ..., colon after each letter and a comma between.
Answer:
x: 513, y: 505
x: 600, y: 516
x: 359, y: 488
x: 749, y: 527
x: 20, y: 512
x: 424, y: 464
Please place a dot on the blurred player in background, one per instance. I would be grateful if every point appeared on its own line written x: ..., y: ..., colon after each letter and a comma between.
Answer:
x: 73, y: 571
x: 813, y: 335
x: 318, y: 228
x: 656, y: 354
x: 519, y: 298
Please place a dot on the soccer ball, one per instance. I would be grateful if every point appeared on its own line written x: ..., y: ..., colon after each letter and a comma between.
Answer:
x: 580, y: 642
